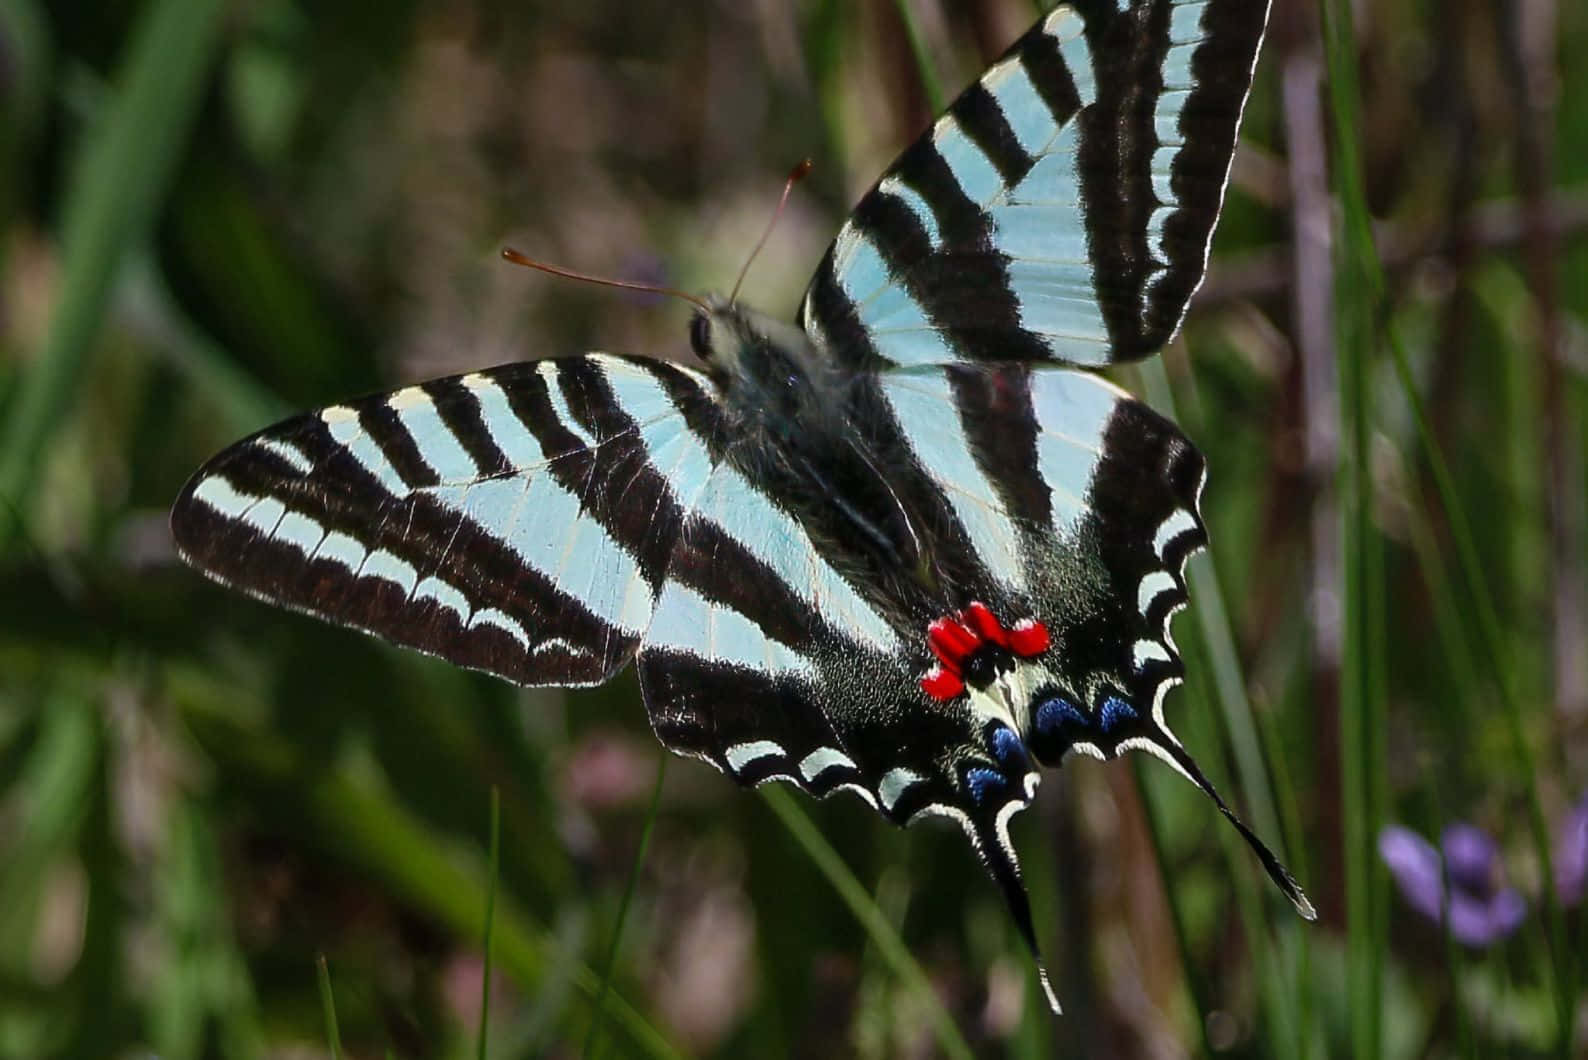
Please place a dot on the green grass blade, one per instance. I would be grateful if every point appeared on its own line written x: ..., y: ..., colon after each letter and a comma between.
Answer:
x: 1361, y: 719
x: 609, y: 966
x: 369, y: 829
x: 1213, y: 624
x: 113, y: 196
x: 924, y: 67
x: 887, y: 941
x: 1492, y: 640
x: 1240, y: 729
x: 1364, y: 277
x: 495, y: 871
x: 243, y: 402
x: 1192, y: 981
x: 333, y: 1035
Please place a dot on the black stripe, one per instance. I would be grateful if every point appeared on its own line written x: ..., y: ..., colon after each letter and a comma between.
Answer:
x: 983, y: 121
x: 970, y: 297
x: 726, y: 571
x: 995, y: 410
x: 459, y: 409
x: 896, y: 230
x: 1049, y: 74
x: 1114, y: 160
x: 380, y: 421
x: 895, y: 536
x: 529, y: 399
x: 699, y: 404
x: 704, y: 708
x: 900, y: 236
x: 848, y: 342
x: 619, y: 487
x: 701, y: 707
x: 960, y: 221
x: 1148, y: 471
x: 963, y: 288
x: 1208, y: 125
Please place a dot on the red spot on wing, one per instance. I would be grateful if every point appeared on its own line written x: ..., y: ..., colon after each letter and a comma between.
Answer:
x: 951, y: 640
x: 941, y: 684
x: 986, y: 623
x: 954, y: 638
x: 1028, y: 638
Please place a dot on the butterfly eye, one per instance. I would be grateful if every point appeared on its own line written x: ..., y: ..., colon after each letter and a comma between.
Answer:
x: 700, y: 335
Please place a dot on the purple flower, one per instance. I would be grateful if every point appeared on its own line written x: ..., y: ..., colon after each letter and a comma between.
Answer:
x: 1571, y: 855
x: 1482, y: 911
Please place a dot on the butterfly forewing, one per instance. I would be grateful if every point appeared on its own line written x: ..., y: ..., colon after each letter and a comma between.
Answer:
x: 1062, y: 207
x: 517, y: 520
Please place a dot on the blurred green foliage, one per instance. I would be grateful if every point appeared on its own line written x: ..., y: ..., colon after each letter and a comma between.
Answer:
x: 212, y: 214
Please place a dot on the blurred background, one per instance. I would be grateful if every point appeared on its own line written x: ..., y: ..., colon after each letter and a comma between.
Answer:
x: 215, y: 213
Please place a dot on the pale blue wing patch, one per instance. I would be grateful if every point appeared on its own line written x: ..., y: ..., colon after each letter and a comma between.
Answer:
x: 740, y: 755
x: 276, y: 522
x: 923, y: 405
x: 346, y: 431
x: 1058, y: 302
x: 1040, y: 222
x: 891, y: 315
x: 686, y: 622
x: 382, y: 564
x: 295, y: 457
x: 547, y: 529
x: 437, y: 445
x: 775, y: 538
x: 895, y: 783
x: 548, y: 372
x: 341, y: 549
x: 978, y: 178
x: 1011, y: 87
x: 1072, y: 410
x: 1068, y: 29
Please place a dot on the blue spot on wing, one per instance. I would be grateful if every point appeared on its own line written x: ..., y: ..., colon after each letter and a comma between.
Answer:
x: 1116, y: 712
x: 1008, y: 746
x: 1059, y: 715
x: 979, y: 779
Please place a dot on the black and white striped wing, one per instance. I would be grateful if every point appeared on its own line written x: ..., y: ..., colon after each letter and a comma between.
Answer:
x: 792, y: 637
x: 517, y: 520
x: 1062, y: 208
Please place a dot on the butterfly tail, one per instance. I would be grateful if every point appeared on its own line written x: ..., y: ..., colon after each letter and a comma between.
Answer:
x: 991, y: 840
x: 1177, y: 756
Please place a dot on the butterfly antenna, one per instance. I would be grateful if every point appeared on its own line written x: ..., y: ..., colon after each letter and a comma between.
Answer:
x: 517, y: 258
x: 796, y: 175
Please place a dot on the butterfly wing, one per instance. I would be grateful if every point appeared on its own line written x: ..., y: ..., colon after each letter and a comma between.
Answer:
x: 1062, y: 207
x: 791, y: 637
x: 1105, y: 493
x: 517, y: 520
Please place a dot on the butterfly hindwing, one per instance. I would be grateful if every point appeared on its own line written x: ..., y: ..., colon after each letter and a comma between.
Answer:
x: 516, y: 520
x: 1062, y: 207
x: 1045, y: 494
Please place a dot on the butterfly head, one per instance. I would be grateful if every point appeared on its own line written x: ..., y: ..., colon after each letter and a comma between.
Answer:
x: 738, y: 343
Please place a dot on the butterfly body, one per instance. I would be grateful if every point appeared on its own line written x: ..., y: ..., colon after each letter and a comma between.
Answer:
x: 905, y: 549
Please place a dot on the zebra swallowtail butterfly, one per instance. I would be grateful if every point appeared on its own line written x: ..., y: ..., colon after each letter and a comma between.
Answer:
x: 906, y: 549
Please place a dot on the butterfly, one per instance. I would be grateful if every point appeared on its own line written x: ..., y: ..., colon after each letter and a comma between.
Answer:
x: 908, y: 547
